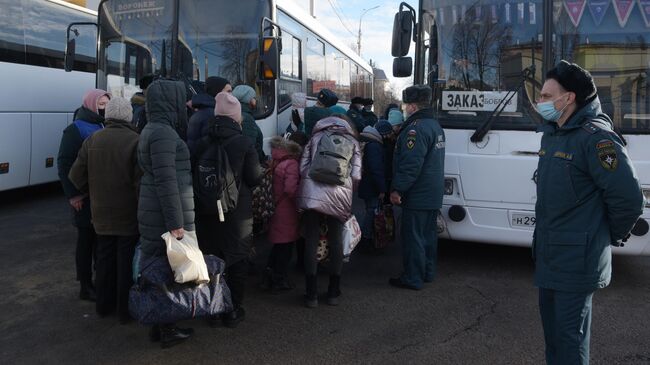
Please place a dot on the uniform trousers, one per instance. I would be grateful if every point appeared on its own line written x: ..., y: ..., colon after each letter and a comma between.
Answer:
x: 419, y: 246
x: 114, y: 273
x: 566, y: 318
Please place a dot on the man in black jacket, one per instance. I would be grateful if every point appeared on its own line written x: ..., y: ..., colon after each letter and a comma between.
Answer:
x: 231, y: 239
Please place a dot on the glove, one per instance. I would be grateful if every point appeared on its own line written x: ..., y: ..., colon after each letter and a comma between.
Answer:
x: 295, y: 118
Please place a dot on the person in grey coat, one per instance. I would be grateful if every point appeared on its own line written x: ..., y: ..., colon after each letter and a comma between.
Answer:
x: 166, y: 202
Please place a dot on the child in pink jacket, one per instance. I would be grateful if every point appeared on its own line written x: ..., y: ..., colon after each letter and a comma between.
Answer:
x: 283, y: 226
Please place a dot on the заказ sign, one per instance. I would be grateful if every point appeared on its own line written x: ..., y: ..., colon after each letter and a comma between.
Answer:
x: 476, y: 101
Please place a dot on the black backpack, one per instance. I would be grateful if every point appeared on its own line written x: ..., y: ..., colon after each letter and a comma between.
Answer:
x: 212, y: 177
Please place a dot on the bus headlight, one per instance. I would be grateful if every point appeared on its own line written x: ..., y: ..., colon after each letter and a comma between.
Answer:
x: 646, y: 195
x: 449, y: 187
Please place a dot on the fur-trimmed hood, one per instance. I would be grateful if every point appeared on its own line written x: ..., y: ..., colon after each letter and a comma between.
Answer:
x: 289, y: 148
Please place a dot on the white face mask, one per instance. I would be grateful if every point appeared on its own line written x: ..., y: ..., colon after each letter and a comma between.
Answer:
x: 406, y: 113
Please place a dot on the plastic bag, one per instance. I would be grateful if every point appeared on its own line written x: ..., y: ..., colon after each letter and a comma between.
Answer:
x: 351, y: 235
x: 384, y: 224
x: 186, y: 259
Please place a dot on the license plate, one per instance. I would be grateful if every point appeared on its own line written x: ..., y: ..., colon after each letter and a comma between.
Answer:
x: 523, y: 220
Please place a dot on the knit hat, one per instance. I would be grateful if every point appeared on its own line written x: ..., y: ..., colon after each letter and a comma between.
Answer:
x: 575, y: 79
x: 395, y: 117
x: 228, y: 106
x: 244, y: 93
x: 383, y: 127
x: 92, y: 96
x: 327, y: 97
x: 417, y: 94
x: 214, y: 85
x: 371, y: 134
x: 145, y: 81
x: 119, y: 108
x: 335, y: 109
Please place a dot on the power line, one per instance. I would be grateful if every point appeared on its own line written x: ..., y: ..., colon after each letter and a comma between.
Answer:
x: 338, y: 16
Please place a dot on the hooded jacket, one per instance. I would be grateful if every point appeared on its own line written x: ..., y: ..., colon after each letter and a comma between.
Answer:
x: 166, y: 196
x: 198, y: 124
x: 588, y: 196
x: 285, y: 222
x: 332, y: 200
x: 107, y: 168
x: 373, y: 177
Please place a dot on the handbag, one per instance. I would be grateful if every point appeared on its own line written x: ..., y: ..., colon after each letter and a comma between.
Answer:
x: 156, y: 298
x: 384, y: 226
x: 322, y: 252
x: 263, y: 203
x: 351, y: 235
x: 185, y: 258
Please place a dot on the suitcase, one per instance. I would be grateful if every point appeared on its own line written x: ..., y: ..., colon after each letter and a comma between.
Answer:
x: 156, y: 298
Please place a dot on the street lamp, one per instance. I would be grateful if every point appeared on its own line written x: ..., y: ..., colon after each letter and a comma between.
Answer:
x: 359, y: 36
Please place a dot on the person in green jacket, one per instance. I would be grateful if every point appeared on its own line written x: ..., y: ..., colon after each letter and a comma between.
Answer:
x: 418, y: 184
x: 326, y: 99
x: 588, y: 198
x: 247, y: 98
x: 355, y: 113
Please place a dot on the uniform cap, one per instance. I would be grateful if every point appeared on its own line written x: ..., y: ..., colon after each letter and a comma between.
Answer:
x: 327, y: 97
x: 417, y: 94
x: 575, y: 79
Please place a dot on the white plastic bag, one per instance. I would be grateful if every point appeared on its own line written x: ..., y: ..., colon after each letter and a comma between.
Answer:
x: 351, y: 235
x: 186, y: 259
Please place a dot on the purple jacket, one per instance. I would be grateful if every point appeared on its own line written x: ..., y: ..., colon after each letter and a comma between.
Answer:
x: 333, y: 200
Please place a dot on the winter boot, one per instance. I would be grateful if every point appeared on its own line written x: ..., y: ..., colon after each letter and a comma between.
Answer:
x: 334, y: 290
x: 311, y: 295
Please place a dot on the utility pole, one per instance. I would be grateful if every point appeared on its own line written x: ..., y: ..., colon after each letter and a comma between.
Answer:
x: 359, y: 35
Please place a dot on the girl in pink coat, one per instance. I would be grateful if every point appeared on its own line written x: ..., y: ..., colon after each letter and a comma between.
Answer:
x: 283, y: 227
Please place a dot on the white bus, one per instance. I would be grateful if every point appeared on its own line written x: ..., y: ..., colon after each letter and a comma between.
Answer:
x: 474, y: 54
x: 37, y: 97
x: 195, y: 39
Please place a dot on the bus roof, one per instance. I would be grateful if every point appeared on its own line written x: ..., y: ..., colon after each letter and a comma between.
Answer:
x: 291, y: 8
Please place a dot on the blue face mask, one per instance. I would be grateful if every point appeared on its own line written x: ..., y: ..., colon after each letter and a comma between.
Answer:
x: 547, y: 110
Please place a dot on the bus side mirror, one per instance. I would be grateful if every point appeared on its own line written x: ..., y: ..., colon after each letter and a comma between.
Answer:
x: 402, y: 31
x: 402, y: 67
x: 270, y: 58
x: 69, y: 55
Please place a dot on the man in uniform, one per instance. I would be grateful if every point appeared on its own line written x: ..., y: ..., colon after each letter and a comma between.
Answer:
x: 418, y: 184
x: 588, y: 198
x: 354, y: 113
x: 368, y: 116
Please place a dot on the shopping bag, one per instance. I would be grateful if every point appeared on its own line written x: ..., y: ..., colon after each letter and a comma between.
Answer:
x: 351, y: 235
x: 322, y: 252
x: 185, y: 258
x: 263, y: 203
x: 156, y: 298
x: 384, y: 226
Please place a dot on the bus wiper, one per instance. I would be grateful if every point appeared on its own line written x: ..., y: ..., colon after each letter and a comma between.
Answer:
x: 485, y: 127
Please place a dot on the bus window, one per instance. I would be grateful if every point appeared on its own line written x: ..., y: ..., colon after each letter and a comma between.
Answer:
x: 483, y: 49
x: 12, y: 34
x: 45, y: 28
x: 223, y: 41
x: 290, y: 73
x: 616, y: 53
x: 316, y: 77
x: 338, y: 71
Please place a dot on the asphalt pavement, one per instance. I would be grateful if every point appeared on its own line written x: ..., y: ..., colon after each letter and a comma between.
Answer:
x: 481, y: 309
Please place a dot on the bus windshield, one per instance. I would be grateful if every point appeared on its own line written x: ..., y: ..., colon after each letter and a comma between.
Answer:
x: 187, y: 40
x: 483, y: 47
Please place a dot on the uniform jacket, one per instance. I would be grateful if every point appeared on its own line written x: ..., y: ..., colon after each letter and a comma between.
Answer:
x: 355, y: 115
x: 107, y: 168
x: 166, y: 197
x: 198, y: 124
x: 312, y: 115
x: 369, y: 118
x: 332, y: 200
x: 251, y: 130
x: 588, y: 196
x: 284, y: 224
x: 71, y: 141
x: 373, y: 180
x: 419, y: 162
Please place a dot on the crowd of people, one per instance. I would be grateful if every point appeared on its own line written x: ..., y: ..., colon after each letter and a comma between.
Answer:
x: 130, y: 176
x: 128, y: 169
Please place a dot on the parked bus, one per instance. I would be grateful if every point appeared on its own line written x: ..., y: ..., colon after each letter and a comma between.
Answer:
x: 192, y: 40
x: 485, y: 62
x: 37, y: 97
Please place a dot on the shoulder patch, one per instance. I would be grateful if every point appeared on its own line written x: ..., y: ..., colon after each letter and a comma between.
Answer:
x: 607, y: 154
x: 590, y: 127
x: 410, y: 141
x: 412, y: 132
x: 541, y: 152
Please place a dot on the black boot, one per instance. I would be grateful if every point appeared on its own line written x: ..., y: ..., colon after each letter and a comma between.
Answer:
x: 334, y: 290
x: 232, y: 319
x: 155, y: 333
x: 311, y: 288
x: 267, y: 281
x: 170, y: 335
x: 87, y: 292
